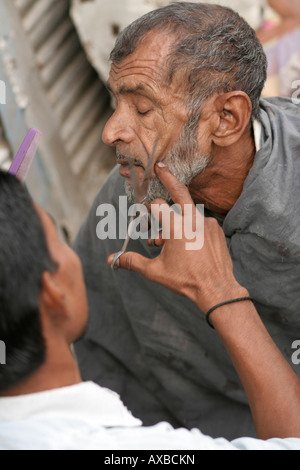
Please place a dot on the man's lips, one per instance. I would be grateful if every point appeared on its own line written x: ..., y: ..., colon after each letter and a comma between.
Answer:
x: 124, y: 170
x: 126, y: 167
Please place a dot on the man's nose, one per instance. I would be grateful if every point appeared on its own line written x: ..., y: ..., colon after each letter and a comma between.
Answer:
x: 117, y: 129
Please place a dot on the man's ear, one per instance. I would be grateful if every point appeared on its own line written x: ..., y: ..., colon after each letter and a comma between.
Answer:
x: 52, y: 296
x: 232, y: 116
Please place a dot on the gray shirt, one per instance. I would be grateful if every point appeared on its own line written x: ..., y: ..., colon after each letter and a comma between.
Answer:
x: 153, y: 347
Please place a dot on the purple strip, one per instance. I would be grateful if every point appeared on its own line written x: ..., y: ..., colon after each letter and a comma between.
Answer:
x: 23, y: 159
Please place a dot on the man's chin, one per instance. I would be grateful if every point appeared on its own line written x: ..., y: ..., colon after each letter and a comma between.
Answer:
x: 129, y: 191
x: 155, y: 191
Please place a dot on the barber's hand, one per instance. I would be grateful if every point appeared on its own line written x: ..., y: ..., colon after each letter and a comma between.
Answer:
x: 205, y: 275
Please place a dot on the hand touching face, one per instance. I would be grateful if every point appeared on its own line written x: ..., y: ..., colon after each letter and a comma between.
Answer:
x: 205, y: 275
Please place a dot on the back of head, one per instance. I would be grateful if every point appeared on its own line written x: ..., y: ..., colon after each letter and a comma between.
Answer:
x: 213, y: 46
x: 23, y: 258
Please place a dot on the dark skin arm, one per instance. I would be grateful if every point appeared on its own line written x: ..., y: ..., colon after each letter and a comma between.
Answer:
x: 206, y: 277
x: 289, y: 11
x: 286, y: 8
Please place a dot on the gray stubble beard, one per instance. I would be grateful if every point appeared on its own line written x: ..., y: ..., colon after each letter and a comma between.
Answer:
x: 185, y: 162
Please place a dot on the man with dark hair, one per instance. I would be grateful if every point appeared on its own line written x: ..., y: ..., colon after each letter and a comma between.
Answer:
x: 20, y: 283
x: 27, y: 269
x: 44, y: 405
x: 189, y: 76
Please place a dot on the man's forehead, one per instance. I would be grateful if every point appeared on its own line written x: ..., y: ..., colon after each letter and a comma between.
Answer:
x: 141, y: 69
x: 136, y: 81
x: 147, y: 62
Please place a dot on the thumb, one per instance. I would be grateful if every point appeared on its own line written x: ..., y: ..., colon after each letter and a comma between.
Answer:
x: 131, y: 262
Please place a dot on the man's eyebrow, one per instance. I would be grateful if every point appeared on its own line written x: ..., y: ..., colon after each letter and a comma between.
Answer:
x: 140, y: 88
x: 124, y: 90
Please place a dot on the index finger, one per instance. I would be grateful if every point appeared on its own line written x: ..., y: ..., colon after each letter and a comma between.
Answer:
x: 178, y: 191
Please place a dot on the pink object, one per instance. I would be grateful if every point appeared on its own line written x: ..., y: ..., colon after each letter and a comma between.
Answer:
x: 268, y: 25
x: 25, y: 155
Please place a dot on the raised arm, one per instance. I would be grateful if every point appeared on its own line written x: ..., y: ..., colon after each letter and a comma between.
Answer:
x: 286, y: 8
x: 289, y: 11
x: 206, y: 277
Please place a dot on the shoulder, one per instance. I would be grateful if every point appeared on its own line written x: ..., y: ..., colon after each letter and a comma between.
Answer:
x: 281, y: 118
x: 112, y: 189
x: 280, y: 105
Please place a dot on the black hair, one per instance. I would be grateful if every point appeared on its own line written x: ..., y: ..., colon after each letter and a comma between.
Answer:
x: 213, y: 45
x: 24, y: 256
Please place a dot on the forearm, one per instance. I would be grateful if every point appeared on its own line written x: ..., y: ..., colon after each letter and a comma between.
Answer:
x: 271, y: 386
x: 286, y: 8
x: 206, y: 276
x: 286, y: 26
x: 289, y: 12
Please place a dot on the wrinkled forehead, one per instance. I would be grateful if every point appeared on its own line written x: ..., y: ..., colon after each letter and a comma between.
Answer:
x: 147, y: 72
x: 148, y: 61
x: 142, y: 73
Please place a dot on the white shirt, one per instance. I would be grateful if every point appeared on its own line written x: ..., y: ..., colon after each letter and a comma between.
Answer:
x: 89, y: 417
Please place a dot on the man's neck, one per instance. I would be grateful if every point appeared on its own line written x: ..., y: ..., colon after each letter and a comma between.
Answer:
x: 220, y: 185
x: 59, y: 370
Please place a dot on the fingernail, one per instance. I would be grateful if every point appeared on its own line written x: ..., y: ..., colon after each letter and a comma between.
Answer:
x: 161, y: 165
x: 115, y: 265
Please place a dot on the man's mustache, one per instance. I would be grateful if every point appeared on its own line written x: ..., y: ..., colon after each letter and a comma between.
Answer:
x: 130, y: 160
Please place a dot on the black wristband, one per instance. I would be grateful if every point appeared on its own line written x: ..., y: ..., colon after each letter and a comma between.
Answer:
x: 241, y: 299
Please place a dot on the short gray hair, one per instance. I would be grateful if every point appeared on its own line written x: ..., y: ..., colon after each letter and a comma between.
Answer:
x: 216, y: 48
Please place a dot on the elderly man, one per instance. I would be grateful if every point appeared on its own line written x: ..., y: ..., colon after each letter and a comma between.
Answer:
x: 189, y: 76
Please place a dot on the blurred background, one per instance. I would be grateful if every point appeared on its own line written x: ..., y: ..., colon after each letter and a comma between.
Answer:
x: 54, y: 62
